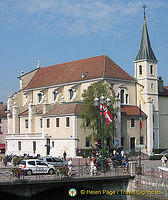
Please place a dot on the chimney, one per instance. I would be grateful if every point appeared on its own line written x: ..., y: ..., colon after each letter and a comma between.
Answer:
x: 160, y: 85
x: 21, y: 80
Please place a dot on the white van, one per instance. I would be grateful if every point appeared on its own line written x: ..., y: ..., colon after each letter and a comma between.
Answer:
x: 35, y: 166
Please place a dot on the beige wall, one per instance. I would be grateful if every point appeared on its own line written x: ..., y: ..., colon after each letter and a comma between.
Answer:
x: 23, y: 129
x: 82, y: 134
x: 127, y: 131
x: 163, y: 121
x: 59, y: 132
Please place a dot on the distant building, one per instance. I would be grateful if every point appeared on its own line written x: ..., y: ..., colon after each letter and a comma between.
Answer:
x: 3, y: 127
x: 44, y: 115
x: 163, y: 114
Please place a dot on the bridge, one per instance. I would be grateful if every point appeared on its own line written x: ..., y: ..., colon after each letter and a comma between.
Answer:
x: 85, y: 187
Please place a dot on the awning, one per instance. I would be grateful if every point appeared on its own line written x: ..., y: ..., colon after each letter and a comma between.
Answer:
x: 2, y: 146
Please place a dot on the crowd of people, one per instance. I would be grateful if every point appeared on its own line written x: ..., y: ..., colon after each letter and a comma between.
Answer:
x: 115, y: 159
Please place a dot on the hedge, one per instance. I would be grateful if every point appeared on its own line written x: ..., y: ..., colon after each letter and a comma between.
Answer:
x: 156, y: 157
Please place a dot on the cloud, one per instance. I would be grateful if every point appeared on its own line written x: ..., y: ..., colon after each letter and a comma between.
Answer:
x: 75, y: 17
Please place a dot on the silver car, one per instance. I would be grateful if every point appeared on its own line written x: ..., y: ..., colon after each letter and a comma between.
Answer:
x: 56, y: 162
x: 32, y: 166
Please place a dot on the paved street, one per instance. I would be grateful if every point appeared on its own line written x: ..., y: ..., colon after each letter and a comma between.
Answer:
x: 151, y: 163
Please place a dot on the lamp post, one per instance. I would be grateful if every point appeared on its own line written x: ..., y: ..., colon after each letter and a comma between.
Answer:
x: 99, y: 104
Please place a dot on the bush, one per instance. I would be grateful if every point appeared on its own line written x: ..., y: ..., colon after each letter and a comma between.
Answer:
x: 158, y: 151
x: 83, y: 152
x: 16, y: 161
x: 156, y: 157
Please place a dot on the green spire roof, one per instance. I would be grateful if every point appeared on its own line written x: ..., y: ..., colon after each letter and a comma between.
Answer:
x: 145, y: 51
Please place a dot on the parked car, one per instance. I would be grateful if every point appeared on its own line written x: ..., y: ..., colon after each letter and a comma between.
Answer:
x: 56, y: 162
x: 32, y: 166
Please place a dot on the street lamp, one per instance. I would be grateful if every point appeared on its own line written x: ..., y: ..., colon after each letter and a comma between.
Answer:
x: 99, y: 104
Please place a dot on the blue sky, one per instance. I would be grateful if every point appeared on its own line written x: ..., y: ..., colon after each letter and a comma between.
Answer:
x: 56, y: 31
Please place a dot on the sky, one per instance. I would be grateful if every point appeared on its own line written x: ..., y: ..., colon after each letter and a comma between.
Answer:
x: 57, y: 31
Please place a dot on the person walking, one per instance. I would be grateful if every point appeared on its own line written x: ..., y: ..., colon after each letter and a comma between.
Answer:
x: 93, y: 169
x: 163, y: 160
x: 70, y: 167
x: 64, y: 155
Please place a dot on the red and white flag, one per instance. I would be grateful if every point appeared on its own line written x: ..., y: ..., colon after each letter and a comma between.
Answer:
x: 107, y: 114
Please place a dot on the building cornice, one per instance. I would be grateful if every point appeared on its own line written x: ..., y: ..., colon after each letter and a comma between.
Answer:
x: 79, y: 82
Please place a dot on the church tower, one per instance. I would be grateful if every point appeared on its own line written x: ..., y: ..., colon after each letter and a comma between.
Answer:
x: 147, y: 87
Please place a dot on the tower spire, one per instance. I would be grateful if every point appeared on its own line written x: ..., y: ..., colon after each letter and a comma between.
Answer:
x: 144, y: 7
x: 145, y: 51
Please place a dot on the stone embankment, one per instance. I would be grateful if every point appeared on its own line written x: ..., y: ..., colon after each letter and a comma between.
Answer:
x: 150, y: 187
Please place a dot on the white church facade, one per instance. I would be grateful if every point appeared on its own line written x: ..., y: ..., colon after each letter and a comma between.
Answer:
x: 44, y: 115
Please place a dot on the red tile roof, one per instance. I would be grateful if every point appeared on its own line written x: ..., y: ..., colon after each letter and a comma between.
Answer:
x: 131, y: 110
x: 40, y: 112
x: 65, y: 109
x: 95, y: 67
x: 26, y: 112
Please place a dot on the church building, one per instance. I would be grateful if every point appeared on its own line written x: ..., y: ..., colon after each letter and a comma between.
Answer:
x: 44, y: 115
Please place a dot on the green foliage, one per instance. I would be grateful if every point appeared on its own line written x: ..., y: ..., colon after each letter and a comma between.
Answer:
x: 156, y: 157
x: 17, y: 172
x: 84, y: 152
x: 62, y: 171
x: 16, y: 161
x: 158, y: 151
x: 91, y: 118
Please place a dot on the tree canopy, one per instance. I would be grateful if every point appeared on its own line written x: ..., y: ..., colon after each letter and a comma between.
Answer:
x: 91, y: 118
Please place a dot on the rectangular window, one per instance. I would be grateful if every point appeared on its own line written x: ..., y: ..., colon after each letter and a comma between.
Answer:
x: 126, y: 98
x: 48, y: 123
x: 19, y: 146
x: 26, y: 123
x: 41, y: 123
x: 57, y: 122
x: 87, y: 142
x: 141, y: 140
x: 34, y: 146
x: 67, y: 122
x: 132, y: 123
x: 140, y: 70
x: 53, y: 144
x: 152, y: 86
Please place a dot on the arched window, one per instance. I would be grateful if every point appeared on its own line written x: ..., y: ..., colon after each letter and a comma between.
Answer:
x: 71, y: 93
x: 122, y: 96
x: 55, y: 95
x: 140, y: 69
x: 39, y: 97
x: 152, y: 87
x: 151, y: 69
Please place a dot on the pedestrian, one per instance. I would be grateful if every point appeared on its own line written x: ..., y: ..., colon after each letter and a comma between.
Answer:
x: 92, y: 168
x: 122, y: 153
x: 64, y: 155
x: 70, y: 167
x: 114, y: 152
x: 163, y: 160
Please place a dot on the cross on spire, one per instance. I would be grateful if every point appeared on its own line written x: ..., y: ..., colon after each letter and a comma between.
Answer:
x: 144, y: 7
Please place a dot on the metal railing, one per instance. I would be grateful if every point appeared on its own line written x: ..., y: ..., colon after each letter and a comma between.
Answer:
x: 77, y: 171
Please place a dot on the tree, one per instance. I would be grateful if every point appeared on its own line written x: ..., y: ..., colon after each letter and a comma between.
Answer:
x: 91, y: 118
